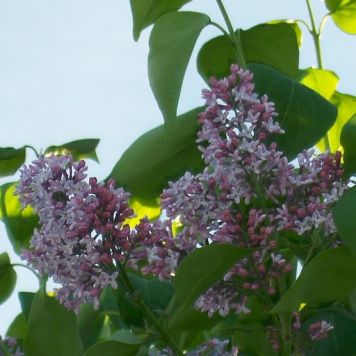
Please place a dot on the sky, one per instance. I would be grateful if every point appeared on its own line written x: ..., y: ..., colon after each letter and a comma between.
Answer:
x: 70, y: 69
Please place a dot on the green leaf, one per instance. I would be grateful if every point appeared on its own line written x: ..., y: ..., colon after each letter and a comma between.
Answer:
x: 112, y: 348
x: 302, y: 113
x: 11, y: 159
x: 171, y: 44
x: 215, y: 58
x: 323, y: 82
x: 79, y: 149
x: 275, y: 45
x: 18, y: 328
x: 126, y: 336
x: 332, y: 5
x: 158, y: 156
x: 52, y: 330
x: 146, y: 12
x: 130, y: 314
x: 272, y: 44
x: 341, y: 340
x: 294, y: 26
x: 155, y: 293
x: 329, y: 276
x: 344, y: 214
x: 343, y: 13
x: 348, y: 141
x: 89, y: 324
x: 19, y: 222
x: 187, y: 318
x: 7, y: 277
x: 26, y: 299
x: 197, y: 273
x: 109, y: 306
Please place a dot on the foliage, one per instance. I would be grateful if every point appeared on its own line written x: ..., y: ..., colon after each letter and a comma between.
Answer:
x: 156, y: 279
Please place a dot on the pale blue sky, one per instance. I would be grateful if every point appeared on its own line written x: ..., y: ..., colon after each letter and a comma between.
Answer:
x: 70, y: 69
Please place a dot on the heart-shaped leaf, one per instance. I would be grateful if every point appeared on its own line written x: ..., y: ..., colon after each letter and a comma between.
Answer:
x: 7, y: 277
x: 79, y: 149
x: 19, y: 222
x: 171, y: 44
x: 302, y: 113
x: 113, y: 348
x: 344, y: 214
x: 201, y: 269
x: 272, y: 44
x: 328, y: 277
x: 52, y: 330
x: 348, y: 141
x: 343, y: 13
x: 160, y: 155
x: 11, y: 159
x: 146, y: 12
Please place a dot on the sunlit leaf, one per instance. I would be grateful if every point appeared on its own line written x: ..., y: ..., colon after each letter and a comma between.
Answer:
x: 11, y: 159
x: 328, y: 277
x: 145, y: 208
x: 79, y: 149
x: 343, y: 13
x: 171, y: 44
x: 19, y: 222
x: 52, y: 330
x: 323, y: 82
x: 7, y: 277
x: 160, y: 155
x: 146, y: 12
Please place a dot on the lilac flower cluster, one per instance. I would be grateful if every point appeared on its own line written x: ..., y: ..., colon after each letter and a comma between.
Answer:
x: 247, y: 193
x: 12, y: 346
x: 81, y: 234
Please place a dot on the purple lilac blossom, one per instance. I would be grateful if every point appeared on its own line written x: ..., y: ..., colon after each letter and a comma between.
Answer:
x: 245, y: 196
x: 81, y: 234
x: 12, y: 346
x: 320, y: 330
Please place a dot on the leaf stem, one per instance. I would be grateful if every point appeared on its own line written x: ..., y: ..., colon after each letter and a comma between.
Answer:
x: 220, y: 28
x: 33, y: 149
x: 149, y: 316
x: 235, y: 37
x: 28, y: 268
x: 316, y: 34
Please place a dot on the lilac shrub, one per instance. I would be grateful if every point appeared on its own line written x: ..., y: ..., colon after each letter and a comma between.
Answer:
x: 247, y: 195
